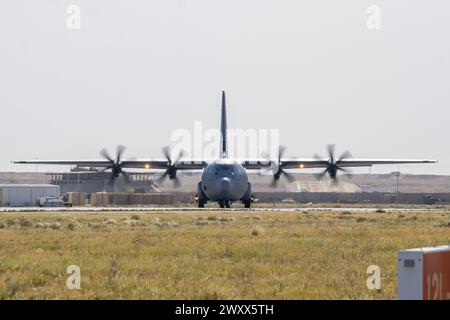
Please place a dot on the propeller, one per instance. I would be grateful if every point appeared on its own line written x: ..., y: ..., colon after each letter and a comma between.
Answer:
x: 333, y: 164
x: 279, y: 170
x: 171, y: 170
x: 115, y: 164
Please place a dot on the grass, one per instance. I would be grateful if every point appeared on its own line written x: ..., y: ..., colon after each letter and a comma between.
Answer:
x: 230, y: 255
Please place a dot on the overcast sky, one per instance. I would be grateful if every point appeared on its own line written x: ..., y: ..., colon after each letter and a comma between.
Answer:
x: 137, y: 70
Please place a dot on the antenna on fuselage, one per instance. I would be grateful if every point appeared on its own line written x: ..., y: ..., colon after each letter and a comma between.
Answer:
x: 223, y: 128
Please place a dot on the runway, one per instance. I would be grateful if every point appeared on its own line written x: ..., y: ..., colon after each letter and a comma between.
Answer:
x: 195, y: 209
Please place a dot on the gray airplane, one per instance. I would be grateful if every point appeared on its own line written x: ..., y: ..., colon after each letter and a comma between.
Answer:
x: 225, y: 180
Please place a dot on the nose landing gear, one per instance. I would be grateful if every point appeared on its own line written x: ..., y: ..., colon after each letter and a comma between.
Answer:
x: 225, y: 204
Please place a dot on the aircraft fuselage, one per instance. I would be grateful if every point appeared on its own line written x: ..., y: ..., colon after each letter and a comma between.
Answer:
x: 225, y: 181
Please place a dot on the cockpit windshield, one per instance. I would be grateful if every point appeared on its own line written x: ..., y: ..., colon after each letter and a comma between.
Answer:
x: 225, y: 169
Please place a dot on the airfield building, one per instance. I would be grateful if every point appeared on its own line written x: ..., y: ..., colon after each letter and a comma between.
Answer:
x: 23, y: 195
x: 90, y: 182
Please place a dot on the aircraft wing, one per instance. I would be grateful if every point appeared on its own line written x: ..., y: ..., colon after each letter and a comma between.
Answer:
x: 288, y: 164
x: 80, y: 163
x: 248, y: 164
x: 318, y: 163
x: 369, y: 162
x: 133, y: 163
x: 162, y: 164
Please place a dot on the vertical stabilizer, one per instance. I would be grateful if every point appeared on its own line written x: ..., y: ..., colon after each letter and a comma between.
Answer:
x: 223, y: 128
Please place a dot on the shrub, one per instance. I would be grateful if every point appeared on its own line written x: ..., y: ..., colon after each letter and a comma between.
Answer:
x: 131, y: 222
x: 173, y: 224
x: 24, y: 223
x: 55, y: 226
x: 94, y: 225
x: 158, y: 224
x: 225, y: 219
x: 40, y: 225
x: 257, y: 231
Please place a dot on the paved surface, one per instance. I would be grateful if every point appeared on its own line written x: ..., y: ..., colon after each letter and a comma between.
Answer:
x: 175, y: 209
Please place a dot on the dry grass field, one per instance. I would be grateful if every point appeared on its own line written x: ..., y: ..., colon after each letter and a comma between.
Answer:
x: 209, y: 255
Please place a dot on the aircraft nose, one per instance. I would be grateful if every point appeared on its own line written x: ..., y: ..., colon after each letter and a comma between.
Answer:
x: 225, y: 186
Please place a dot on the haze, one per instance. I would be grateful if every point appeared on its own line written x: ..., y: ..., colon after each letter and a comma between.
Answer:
x: 137, y: 70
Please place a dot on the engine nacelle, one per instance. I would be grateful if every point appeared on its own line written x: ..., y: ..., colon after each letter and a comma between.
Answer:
x: 172, y: 172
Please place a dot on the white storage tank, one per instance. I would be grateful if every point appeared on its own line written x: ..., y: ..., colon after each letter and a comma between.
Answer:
x: 19, y: 195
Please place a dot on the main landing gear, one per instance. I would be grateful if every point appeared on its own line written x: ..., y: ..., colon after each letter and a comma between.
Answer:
x: 200, y: 197
x: 200, y: 200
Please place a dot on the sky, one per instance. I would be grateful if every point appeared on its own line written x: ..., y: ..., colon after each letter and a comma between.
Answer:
x: 137, y: 70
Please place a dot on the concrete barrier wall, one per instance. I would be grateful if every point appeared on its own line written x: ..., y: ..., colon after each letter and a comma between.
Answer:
x: 76, y: 198
x: 375, y: 198
x: 335, y: 197
x: 99, y: 199
x: 102, y: 199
